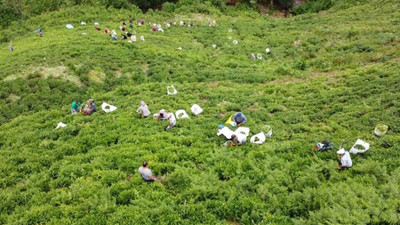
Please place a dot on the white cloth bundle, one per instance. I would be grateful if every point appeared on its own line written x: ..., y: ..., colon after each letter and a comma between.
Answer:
x: 260, y: 136
x: 196, y: 109
x: 362, y: 143
x: 60, y: 125
x: 174, y: 91
x: 181, y: 114
x: 107, y: 107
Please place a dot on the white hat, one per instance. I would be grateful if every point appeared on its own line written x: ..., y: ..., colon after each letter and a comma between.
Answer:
x: 341, y: 151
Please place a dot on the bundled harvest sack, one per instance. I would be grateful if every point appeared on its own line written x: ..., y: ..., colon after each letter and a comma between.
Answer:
x: 107, y: 107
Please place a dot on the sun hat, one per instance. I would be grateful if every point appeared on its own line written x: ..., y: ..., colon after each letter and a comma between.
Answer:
x: 341, y: 151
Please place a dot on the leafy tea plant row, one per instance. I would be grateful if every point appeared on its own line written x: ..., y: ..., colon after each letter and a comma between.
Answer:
x: 337, y: 85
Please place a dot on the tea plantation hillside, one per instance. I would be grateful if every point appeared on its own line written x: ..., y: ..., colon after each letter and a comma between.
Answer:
x: 334, y: 75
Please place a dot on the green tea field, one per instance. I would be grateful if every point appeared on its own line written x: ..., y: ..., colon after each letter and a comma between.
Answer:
x: 331, y: 75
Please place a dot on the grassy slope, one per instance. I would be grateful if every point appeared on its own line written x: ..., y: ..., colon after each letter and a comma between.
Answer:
x: 338, y: 84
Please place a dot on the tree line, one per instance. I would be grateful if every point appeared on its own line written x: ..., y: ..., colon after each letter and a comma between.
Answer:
x: 18, y: 10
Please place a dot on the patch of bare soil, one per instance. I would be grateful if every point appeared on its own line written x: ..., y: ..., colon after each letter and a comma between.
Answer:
x: 232, y: 222
x: 13, y: 98
x: 213, y: 84
x: 60, y: 72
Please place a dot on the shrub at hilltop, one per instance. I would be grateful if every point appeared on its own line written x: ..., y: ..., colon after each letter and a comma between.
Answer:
x: 17, y: 10
x: 332, y: 75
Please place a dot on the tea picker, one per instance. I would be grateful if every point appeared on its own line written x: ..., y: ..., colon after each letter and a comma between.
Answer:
x: 114, y: 37
x: 90, y: 107
x: 238, y: 119
x: 344, y: 159
x: 162, y: 115
x: 172, y: 121
x: 75, y: 107
x: 237, y: 137
x: 143, y: 110
x: 146, y: 173
x: 237, y: 140
x: 324, y: 146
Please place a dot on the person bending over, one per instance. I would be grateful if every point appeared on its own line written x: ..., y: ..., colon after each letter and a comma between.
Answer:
x: 344, y: 159
x: 163, y: 115
x: 146, y: 173
x: 90, y: 107
x: 75, y: 107
x: 239, y: 119
x: 143, y: 109
x: 172, y: 121
x: 237, y: 140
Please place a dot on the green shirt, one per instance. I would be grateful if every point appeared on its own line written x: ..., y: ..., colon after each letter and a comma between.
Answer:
x: 75, y: 105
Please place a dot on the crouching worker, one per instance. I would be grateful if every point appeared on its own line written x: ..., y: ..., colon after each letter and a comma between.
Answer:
x: 344, y: 159
x: 75, y: 107
x: 146, y: 173
x: 237, y: 140
x: 162, y: 115
x: 324, y: 146
x: 90, y: 107
x: 143, y: 110
x: 172, y: 121
x: 239, y: 119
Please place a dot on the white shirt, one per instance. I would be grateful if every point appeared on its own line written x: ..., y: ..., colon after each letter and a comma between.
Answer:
x: 226, y: 132
x: 144, y: 109
x: 241, y: 138
x: 346, y: 160
x: 172, y: 119
x: 146, y: 173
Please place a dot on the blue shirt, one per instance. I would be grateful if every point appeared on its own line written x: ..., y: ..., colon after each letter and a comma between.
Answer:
x: 239, y: 118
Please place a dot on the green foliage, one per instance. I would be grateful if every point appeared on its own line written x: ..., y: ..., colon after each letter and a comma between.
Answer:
x: 168, y: 7
x: 337, y: 83
x: 9, y: 11
x: 312, y: 6
x: 118, y: 4
x: 198, y: 6
x: 287, y: 4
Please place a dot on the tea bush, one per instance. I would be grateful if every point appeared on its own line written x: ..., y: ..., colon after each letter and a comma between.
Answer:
x: 337, y: 83
x: 312, y: 6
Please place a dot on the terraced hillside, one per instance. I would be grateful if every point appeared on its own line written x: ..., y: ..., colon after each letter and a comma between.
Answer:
x: 332, y: 75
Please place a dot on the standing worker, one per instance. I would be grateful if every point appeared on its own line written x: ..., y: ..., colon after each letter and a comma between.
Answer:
x: 143, y: 109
